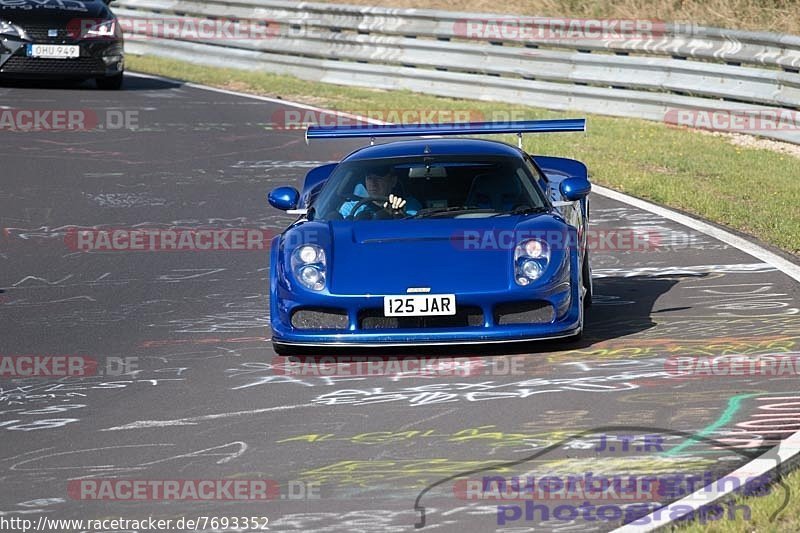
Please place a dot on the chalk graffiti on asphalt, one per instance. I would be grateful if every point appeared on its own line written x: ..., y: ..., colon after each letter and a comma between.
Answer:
x: 439, y: 393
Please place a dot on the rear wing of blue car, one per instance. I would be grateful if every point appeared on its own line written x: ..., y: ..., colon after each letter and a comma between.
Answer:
x: 373, y: 131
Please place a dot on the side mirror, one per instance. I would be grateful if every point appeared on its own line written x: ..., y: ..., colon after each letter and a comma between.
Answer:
x: 574, y: 189
x: 284, y: 198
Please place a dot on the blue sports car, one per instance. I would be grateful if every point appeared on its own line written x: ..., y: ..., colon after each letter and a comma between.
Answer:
x: 433, y: 240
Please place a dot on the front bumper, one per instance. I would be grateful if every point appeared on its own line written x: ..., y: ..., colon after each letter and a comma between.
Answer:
x: 97, y: 60
x: 562, y: 295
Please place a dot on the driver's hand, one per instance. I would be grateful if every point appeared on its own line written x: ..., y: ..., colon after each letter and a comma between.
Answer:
x: 395, y: 202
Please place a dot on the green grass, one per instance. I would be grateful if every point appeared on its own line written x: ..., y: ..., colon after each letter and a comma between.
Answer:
x: 753, y: 190
x: 761, y: 510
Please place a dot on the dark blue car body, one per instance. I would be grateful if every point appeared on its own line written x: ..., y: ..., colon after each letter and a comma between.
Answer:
x: 470, y: 257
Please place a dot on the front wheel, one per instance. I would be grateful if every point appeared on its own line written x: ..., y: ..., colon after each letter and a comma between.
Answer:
x: 112, y: 83
x: 586, y: 280
x: 587, y: 299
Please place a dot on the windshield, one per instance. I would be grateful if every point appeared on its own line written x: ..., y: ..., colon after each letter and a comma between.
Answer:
x: 428, y: 187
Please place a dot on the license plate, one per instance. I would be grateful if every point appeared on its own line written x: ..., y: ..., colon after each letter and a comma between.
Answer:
x: 54, y: 51
x: 420, y: 305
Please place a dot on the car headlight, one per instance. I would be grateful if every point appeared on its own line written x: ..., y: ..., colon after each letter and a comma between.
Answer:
x: 7, y: 29
x: 107, y: 28
x: 308, y: 265
x: 530, y: 261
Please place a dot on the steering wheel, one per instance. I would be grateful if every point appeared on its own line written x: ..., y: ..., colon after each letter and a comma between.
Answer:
x: 375, y: 201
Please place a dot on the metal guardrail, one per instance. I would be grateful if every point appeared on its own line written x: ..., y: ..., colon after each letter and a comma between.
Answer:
x: 679, y: 67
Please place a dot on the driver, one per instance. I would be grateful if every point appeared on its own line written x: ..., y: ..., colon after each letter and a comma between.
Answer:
x: 379, y: 186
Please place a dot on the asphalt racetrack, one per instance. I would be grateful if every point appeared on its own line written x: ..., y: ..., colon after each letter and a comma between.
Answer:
x: 188, y: 389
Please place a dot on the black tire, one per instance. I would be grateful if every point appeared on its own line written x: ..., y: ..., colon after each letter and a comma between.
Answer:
x: 587, y: 282
x: 587, y: 299
x: 112, y: 83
